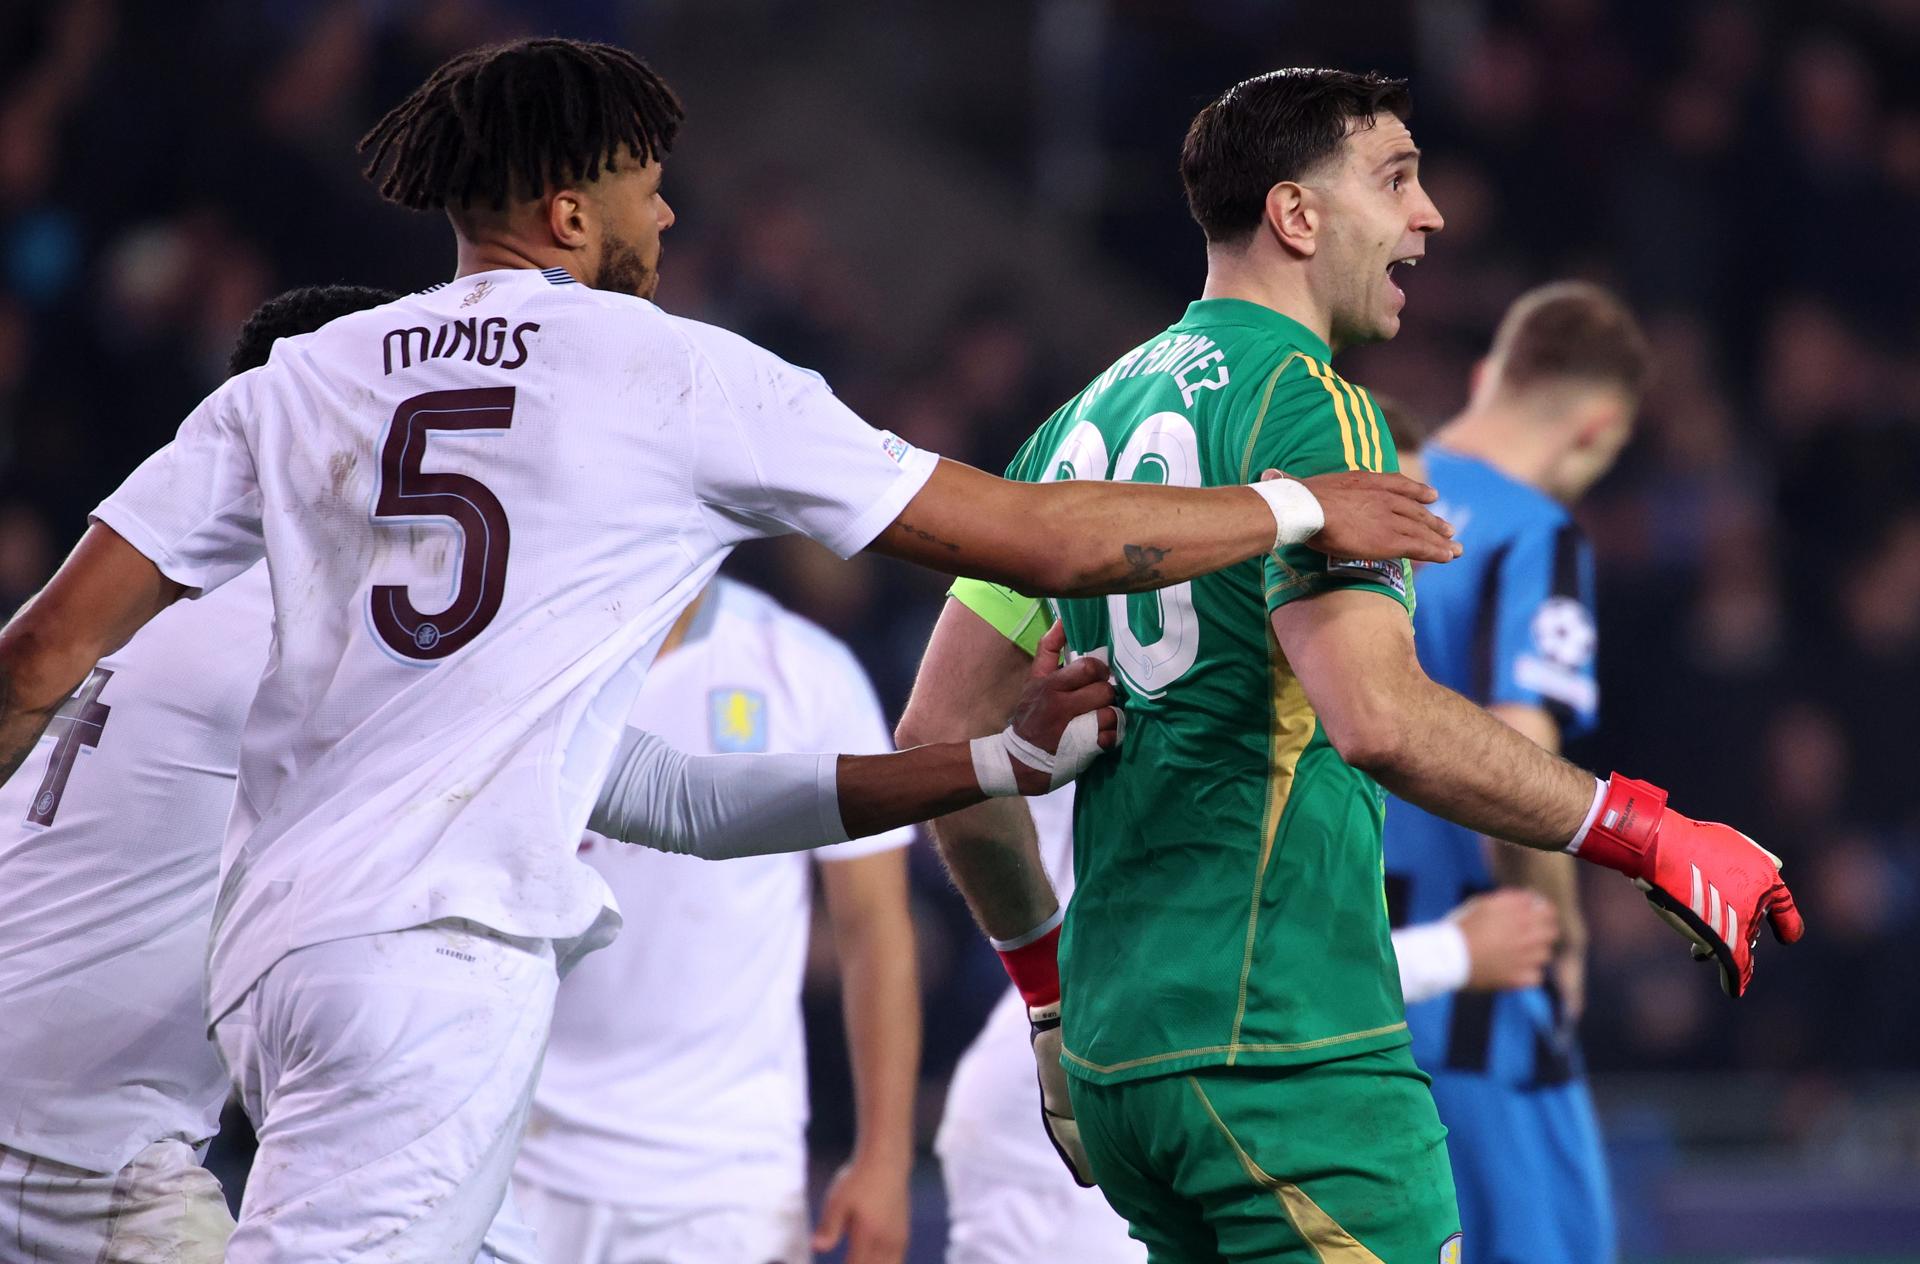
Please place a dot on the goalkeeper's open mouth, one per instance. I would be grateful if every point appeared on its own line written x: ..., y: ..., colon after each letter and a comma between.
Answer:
x: 1402, y: 262
x: 1409, y: 261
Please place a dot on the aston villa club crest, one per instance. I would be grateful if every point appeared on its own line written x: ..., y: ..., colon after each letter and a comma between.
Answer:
x: 737, y: 720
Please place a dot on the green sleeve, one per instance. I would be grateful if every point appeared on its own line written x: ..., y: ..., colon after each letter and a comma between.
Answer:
x: 1022, y: 620
x: 1312, y: 422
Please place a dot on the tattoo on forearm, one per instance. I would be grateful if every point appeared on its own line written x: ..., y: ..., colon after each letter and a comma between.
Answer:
x: 1143, y: 564
x: 929, y: 537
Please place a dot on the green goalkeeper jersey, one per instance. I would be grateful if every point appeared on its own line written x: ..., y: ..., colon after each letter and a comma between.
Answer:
x: 1228, y: 907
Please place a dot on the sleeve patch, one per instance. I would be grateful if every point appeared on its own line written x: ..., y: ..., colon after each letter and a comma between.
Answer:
x: 1563, y: 634
x: 1392, y: 572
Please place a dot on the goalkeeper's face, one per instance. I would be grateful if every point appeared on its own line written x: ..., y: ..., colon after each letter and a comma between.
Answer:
x: 1375, y: 221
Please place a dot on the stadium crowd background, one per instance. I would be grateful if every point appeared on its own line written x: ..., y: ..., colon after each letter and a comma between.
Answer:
x: 958, y: 214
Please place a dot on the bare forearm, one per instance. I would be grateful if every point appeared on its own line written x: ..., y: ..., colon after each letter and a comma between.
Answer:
x: 1552, y: 875
x: 102, y: 594
x: 881, y: 1002
x: 26, y: 707
x: 1458, y: 762
x: 883, y: 792
x: 1121, y: 537
x: 993, y: 854
x: 1077, y: 537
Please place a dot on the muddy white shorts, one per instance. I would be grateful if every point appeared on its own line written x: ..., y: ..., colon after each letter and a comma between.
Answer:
x: 388, y: 1077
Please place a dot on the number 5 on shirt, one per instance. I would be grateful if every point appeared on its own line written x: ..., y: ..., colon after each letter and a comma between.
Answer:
x: 407, y: 492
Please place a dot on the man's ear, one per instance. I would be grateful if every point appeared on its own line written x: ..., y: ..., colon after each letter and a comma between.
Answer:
x: 1293, y: 216
x: 568, y: 213
x: 1478, y: 379
x: 1601, y: 418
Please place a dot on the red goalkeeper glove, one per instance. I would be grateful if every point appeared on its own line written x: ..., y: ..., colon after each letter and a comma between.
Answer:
x: 1031, y: 963
x: 1710, y: 882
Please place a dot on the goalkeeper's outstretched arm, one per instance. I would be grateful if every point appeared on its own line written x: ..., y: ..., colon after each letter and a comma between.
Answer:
x: 1353, y: 653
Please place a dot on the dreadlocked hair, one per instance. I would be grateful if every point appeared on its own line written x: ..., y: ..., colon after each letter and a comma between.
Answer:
x: 510, y: 121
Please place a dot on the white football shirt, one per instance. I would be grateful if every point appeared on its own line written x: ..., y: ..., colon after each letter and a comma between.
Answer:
x: 482, y: 507
x: 992, y: 1115
x: 675, y: 1076
x: 109, y: 856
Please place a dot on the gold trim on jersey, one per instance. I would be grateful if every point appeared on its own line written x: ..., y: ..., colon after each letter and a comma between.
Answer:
x: 1369, y: 452
x: 1327, y: 377
x: 1373, y: 417
x: 1208, y: 1051
x: 1330, y: 1243
x: 1266, y: 397
x: 1290, y: 730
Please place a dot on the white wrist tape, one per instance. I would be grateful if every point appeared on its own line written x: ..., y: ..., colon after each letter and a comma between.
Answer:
x: 1079, y: 747
x: 991, y: 767
x: 1593, y: 814
x: 1297, y: 516
x: 1434, y: 960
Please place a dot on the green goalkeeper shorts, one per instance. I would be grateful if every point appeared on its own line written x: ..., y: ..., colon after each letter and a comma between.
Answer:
x: 1332, y: 1163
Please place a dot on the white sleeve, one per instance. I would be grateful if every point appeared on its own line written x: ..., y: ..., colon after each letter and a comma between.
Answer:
x: 1433, y: 960
x: 718, y: 807
x: 193, y: 507
x: 779, y: 453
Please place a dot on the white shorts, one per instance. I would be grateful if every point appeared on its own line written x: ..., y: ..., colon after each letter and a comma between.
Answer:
x: 388, y: 1077
x: 995, y: 1216
x: 162, y: 1208
x: 572, y: 1231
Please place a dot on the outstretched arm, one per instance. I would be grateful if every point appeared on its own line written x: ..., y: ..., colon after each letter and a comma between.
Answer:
x: 1088, y: 537
x: 102, y: 594
x: 1353, y: 653
x: 722, y: 806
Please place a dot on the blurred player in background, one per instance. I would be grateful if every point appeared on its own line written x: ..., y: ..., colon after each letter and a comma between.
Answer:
x: 1226, y: 1004
x: 670, y: 1119
x: 110, y: 839
x: 1490, y: 942
x: 1512, y: 628
x: 484, y: 506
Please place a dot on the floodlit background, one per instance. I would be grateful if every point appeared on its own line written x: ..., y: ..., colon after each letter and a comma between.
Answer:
x: 960, y: 212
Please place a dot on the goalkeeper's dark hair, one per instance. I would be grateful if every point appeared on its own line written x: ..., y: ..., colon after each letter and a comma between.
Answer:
x: 298, y: 311
x: 510, y: 121
x: 1274, y: 127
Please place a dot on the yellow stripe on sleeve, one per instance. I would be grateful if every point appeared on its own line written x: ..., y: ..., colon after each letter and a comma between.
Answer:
x: 1373, y: 415
x: 1369, y: 453
x: 1325, y: 377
